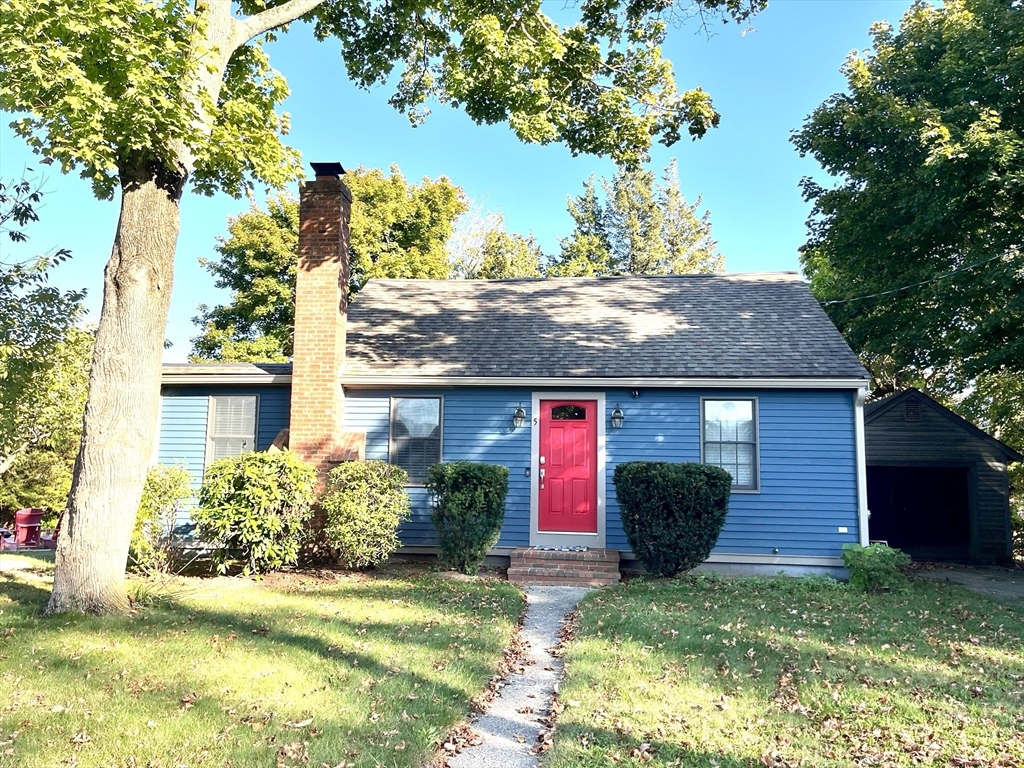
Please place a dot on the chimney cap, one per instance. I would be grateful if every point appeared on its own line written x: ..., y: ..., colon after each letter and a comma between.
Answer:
x: 332, y: 170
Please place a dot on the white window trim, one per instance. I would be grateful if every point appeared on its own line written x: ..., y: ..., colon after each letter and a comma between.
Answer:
x: 210, y: 405
x: 440, y: 427
x: 540, y: 538
x: 757, y: 437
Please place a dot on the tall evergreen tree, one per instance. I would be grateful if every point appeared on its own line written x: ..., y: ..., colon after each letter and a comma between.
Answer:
x: 642, y: 227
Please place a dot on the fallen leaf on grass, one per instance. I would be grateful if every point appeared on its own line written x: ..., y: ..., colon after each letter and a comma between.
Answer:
x: 300, y: 723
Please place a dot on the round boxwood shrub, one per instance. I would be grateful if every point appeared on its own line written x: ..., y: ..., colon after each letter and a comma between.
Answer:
x: 255, y: 507
x: 364, y: 505
x: 672, y: 513
x: 469, y: 508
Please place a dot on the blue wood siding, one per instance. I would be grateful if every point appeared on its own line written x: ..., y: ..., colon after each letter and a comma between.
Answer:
x: 183, y: 422
x: 476, y: 426
x: 806, y: 445
x: 808, y: 475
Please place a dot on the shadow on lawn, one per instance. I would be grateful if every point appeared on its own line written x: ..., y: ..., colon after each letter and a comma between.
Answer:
x: 328, y: 651
x: 30, y: 596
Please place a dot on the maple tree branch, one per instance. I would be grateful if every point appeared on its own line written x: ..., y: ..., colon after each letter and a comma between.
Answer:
x: 266, y: 20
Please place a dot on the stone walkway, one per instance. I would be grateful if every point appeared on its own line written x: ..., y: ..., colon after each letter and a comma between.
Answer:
x: 512, y: 723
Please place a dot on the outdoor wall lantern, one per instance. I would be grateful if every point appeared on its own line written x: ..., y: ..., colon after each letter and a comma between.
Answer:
x: 518, y: 417
x: 618, y: 417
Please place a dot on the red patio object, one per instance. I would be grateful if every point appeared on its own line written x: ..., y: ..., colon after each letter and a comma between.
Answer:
x: 26, y: 527
x: 51, y: 543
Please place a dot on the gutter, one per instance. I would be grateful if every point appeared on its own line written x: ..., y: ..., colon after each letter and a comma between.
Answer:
x: 378, y: 380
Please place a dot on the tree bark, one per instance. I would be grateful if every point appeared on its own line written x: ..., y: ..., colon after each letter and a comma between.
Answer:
x: 124, y: 382
x: 124, y: 392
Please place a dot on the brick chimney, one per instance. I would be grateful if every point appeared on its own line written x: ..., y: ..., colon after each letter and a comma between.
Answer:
x: 321, y: 304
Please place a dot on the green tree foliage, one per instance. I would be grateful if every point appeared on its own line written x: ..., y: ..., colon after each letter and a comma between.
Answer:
x: 672, y: 513
x: 254, y: 507
x: 257, y: 263
x: 504, y: 256
x: 925, y: 220
x: 490, y: 252
x: 398, y: 230
x: 364, y: 505
x: 41, y: 426
x: 643, y: 227
x: 43, y: 356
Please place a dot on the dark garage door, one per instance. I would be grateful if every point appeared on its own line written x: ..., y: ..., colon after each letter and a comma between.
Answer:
x: 921, y: 510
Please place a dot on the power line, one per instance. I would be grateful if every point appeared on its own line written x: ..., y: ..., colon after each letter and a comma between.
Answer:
x: 912, y: 285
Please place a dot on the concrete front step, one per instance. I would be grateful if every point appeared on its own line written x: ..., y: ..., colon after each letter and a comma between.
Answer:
x: 540, y: 567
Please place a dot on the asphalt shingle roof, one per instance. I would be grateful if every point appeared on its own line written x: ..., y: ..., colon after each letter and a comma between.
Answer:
x: 679, y: 326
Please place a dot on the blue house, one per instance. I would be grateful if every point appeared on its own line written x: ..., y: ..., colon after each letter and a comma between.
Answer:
x: 560, y: 380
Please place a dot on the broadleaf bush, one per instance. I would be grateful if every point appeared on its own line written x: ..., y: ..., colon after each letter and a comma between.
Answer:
x: 469, y: 509
x: 254, y: 507
x: 152, y: 547
x: 876, y: 567
x: 672, y: 513
x: 364, y: 504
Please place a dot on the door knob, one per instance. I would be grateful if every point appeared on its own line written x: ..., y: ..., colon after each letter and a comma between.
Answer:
x: 542, y: 477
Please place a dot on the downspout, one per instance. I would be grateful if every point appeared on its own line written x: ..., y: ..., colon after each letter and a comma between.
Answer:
x: 862, y: 468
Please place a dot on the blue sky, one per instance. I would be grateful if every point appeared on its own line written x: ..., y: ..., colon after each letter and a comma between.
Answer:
x: 764, y: 80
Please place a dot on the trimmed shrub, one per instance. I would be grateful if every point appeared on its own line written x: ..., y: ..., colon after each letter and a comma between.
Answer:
x: 469, y: 508
x: 672, y: 513
x: 254, y: 506
x: 364, y: 505
x: 876, y: 567
x: 165, y: 491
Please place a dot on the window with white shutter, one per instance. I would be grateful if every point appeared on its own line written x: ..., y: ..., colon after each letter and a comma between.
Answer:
x: 232, y: 426
x: 415, y: 435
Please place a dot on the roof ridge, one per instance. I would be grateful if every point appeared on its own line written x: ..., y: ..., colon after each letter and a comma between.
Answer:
x: 588, y: 278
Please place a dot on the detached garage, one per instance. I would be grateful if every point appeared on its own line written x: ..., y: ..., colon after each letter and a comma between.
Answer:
x: 937, y: 485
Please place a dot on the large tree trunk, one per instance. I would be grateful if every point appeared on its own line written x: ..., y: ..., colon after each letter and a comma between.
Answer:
x: 124, y: 393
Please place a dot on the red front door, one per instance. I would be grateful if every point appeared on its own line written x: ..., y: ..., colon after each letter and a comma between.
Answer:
x: 568, y: 466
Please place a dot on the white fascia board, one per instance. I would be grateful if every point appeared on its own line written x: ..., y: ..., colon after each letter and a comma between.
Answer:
x: 218, y: 379
x: 364, y: 381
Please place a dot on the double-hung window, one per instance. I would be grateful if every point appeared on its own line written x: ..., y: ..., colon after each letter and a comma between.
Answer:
x: 729, y: 439
x: 232, y: 426
x: 415, y: 435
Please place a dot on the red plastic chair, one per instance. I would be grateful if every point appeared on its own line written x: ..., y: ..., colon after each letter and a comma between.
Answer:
x: 27, y: 523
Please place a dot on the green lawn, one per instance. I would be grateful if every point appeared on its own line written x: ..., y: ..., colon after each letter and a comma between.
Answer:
x: 349, y: 670
x: 777, y: 673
